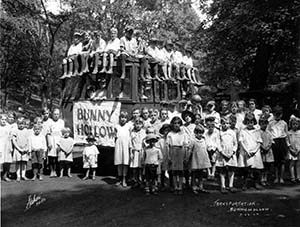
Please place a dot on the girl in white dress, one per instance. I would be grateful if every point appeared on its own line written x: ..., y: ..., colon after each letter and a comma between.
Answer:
x: 294, y: 148
x: 250, y: 151
x: 137, y: 136
x: 5, y: 147
x: 199, y: 159
x: 226, y: 157
x: 21, y: 149
x: 122, y: 147
x: 53, y: 139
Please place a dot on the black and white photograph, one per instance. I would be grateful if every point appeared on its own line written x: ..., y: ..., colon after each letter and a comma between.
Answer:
x: 124, y: 113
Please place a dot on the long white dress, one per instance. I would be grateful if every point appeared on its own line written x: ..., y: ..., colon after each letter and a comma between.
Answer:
x: 122, y: 145
x: 294, y: 140
x: 55, y: 135
x: 5, y: 145
x: 250, y: 140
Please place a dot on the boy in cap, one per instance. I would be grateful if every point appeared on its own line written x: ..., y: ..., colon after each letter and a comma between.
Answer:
x: 152, y: 158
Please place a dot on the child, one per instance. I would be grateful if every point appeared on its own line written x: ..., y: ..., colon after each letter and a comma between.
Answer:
x: 210, y: 106
x: 90, y: 157
x: 188, y: 128
x: 164, y: 130
x: 38, y: 148
x: 21, y: 149
x: 267, y: 112
x: 64, y: 149
x: 177, y: 145
x: 225, y: 112
x: 294, y: 148
x: 279, y: 130
x: 199, y: 159
x: 212, y: 138
x: 53, y: 136
x: 5, y: 147
x: 226, y: 157
x: 122, y: 148
x: 146, y: 117
x: 250, y: 156
x: 137, y: 136
x: 154, y: 121
x: 266, y: 149
x: 152, y: 158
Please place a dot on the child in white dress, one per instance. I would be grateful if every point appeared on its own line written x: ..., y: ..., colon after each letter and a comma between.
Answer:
x: 212, y: 138
x: 266, y: 149
x: 199, y: 159
x: 177, y: 146
x: 64, y: 149
x: 226, y: 160
x: 21, y: 149
x: 38, y: 148
x: 137, y: 136
x: 250, y: 151
x: 294, y: 148
x: 5, y: 147
x: 90, y: 157
x: 122, y: 148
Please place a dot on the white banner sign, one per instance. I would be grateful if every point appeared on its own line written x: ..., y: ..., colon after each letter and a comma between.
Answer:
x: 99, y: 119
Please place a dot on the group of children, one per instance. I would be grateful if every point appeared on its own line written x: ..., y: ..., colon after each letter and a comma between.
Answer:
x: 166, y: 149
x: 44, y: 140
x: 186, y: 147
x: 159, y: 60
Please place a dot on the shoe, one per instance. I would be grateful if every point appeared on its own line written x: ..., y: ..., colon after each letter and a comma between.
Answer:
x: 281, y: 181
x: 61, y: 176
x: 6, y: 179
x: 34, y: 178
x: 93, y: 178
x: 263, y: 183
x: 232, y: 190
x: 258, y: 187
x: 203, y: 191
x: 70, y: 176
x: 180, y: 192
x: 40, y: 178
x: 85, y: 178
x: 121, y: 95
x: 276, y: 181
x: 195, y: 192
x: 18, y: 179
x: 223, y: 191
x: 25, y: 178
x: 124, y: 184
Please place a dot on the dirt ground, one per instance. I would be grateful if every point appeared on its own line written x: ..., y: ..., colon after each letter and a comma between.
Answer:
x: 73, y: 202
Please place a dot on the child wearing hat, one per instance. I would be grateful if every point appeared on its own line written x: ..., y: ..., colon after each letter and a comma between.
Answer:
x: 188, y: 128
x: 152, y: 158
x: 65, y: 148
x: 210, y: 112
x: 90, y: 157
x: 164, y: 166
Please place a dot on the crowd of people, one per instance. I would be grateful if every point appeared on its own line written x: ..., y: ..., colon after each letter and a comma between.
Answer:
x: 160, y: 60
x: 168, y: 148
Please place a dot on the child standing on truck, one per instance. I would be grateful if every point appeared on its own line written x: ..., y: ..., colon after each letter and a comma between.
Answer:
x: 122, y: 147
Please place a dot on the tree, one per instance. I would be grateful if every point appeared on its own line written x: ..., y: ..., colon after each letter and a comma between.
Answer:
x: 255, y: 42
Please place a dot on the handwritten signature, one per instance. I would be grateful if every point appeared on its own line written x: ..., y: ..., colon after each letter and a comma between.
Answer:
x: 34, y: 200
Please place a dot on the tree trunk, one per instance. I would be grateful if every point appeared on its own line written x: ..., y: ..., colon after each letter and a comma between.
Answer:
x: 259, y: 76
